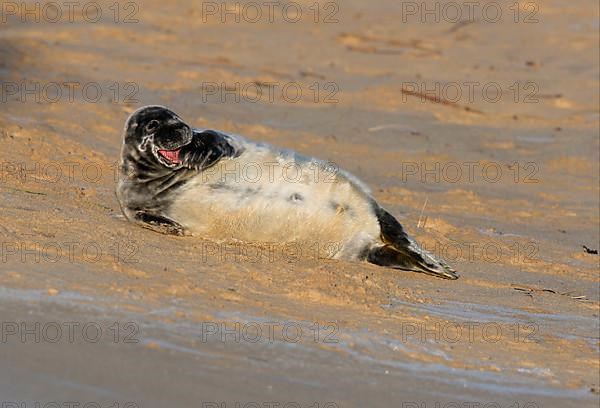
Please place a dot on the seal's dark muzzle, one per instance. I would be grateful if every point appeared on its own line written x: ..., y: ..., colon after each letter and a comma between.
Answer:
x: 173, y: 137
x: 170, y: 139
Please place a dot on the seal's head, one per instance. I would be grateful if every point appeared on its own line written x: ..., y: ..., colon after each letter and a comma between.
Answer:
x: 158, y: 134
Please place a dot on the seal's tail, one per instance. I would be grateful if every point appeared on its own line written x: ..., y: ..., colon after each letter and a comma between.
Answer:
x: 401, y: 252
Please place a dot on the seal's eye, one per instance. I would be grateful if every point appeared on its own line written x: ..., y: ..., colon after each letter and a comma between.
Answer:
x: 152, y: 125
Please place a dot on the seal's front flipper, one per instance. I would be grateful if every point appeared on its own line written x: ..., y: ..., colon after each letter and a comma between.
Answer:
x: 206, y: 149
x: 159, y: 223
x: 401, y: 252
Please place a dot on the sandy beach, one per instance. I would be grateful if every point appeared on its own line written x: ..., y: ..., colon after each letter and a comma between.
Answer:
x: 476, y: 125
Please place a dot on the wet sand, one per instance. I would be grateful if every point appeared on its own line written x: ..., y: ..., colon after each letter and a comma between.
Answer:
x: 506, y: 189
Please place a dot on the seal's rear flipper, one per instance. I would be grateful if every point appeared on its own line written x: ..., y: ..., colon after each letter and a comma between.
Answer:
x: 410, y: 260
x: 401, y: 252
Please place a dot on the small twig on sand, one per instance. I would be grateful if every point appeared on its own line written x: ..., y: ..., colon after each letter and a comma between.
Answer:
x: 437, y: 99
x: 460, y: 25
x: 529, y: 291
x: 24, y: 191
x: 421, y: 215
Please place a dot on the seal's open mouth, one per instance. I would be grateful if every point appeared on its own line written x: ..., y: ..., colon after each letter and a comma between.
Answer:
x: 171, y: 155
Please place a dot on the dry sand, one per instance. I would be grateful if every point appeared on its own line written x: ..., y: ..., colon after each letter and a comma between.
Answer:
x: 521, y: 325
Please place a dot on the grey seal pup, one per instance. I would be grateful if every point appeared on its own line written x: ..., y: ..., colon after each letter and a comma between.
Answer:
x: 178, y: 180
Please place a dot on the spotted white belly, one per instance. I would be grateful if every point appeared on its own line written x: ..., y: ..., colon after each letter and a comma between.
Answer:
x: 271, y: 196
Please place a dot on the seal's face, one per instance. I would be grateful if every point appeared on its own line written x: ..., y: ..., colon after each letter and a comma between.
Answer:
x: 158, y: 134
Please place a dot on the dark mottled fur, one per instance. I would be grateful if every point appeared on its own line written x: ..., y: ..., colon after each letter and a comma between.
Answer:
x: 147, y: 185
